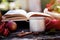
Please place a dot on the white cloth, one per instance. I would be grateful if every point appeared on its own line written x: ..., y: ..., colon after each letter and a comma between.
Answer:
x: 54, y: 14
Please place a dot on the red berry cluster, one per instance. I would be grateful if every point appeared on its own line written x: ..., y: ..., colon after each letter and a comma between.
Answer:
x: 5, y: 27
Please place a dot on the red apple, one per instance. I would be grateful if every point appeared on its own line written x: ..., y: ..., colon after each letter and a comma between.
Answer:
x: 5, y: 32
x: 56, y: 24
x: 12, y: 25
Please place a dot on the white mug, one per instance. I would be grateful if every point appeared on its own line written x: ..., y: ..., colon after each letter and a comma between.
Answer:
x: 37, y: 24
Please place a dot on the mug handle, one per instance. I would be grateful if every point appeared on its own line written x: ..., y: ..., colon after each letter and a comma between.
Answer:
x: 49, y: 20
x: 48, y: 23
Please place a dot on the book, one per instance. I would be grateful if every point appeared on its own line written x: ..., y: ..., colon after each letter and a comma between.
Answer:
x: 21, y: 15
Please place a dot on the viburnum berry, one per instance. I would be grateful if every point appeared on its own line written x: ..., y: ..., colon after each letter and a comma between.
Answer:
x: 48, y: 5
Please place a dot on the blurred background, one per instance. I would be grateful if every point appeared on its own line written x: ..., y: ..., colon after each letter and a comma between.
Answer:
x: 28, y: 5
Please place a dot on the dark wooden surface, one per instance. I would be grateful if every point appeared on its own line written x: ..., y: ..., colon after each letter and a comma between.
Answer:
x: 23, y: 25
